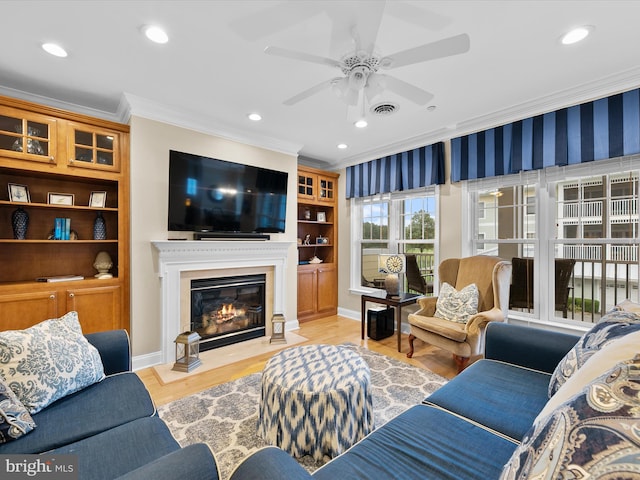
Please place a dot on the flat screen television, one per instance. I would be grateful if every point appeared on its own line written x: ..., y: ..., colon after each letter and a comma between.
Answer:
x: 217, y: 196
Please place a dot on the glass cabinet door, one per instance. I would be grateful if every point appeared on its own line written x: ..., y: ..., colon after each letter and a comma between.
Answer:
x: 306, y: 186
x: 27, y: 136
x: 93, y: 148
x: 326, y: 190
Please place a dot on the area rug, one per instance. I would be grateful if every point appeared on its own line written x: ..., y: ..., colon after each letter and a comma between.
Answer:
x: 225, y: 416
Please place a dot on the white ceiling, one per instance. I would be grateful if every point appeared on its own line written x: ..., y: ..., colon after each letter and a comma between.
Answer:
x: 213, y: 71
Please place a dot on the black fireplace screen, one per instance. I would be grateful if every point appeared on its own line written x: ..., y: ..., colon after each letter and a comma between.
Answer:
x: 226, y: 310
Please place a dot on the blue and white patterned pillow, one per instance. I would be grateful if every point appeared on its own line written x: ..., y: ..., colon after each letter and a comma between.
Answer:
x: 48, y: 361
x: 15, y: 421
x: 592, y: 435
x: 457, y: 306
x: 614, y: 324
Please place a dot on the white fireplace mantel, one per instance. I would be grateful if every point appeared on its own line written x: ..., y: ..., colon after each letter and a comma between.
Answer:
x: 178, y: 256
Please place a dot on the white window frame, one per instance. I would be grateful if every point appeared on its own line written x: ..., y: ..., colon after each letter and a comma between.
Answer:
x: 545, y: 240
x: 395, y: 229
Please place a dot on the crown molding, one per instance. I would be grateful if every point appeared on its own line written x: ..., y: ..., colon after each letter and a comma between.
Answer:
x: 133, y: 105
x: 60, y: 104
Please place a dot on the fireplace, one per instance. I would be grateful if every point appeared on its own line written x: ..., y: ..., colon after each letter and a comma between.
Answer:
x: 227, y: 310
x: 180, y: 262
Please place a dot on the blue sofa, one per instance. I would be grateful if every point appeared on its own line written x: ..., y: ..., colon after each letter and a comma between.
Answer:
x: 468, y: 429
x: 113, y: 428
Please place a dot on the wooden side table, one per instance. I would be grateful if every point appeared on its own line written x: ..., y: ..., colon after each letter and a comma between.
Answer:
x: 397, y: 302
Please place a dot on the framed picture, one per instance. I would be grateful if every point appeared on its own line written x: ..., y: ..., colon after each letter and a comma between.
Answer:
x: 98, y: 199
x: 19, y: 193
x: 322, y: 217
x: 60, y: 198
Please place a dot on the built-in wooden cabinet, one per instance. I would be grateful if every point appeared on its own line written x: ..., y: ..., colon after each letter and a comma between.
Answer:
x: 63, y: 160
x: 317, y: 240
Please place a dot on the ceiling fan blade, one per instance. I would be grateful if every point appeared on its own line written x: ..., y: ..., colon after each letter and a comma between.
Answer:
x: 275, y: 19
x: 309, y: 92
x: 406, y: 90
x: 361, y: 20
x: 305, y: 57
x: 419, y: 16
x: 431, y: 51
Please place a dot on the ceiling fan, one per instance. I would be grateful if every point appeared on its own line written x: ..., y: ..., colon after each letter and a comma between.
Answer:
x: 361, y: 71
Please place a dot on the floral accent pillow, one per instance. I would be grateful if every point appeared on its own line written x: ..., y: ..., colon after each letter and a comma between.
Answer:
x: 614, y: 324
x: 48, y: 361
x: 15, y: 421
x: 593, y: 435
x: 457, y: 306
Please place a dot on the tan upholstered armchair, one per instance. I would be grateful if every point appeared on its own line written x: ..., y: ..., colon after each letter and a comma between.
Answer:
x: 492, y: 276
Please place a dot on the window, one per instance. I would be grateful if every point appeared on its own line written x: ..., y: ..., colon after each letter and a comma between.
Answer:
x: 393, y: 223
x: 572, y: 230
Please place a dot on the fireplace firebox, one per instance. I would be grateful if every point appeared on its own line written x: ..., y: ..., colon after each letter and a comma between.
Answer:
x: 227, y: 310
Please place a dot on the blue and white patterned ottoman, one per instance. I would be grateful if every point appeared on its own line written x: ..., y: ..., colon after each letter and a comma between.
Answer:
x: 316, y: 400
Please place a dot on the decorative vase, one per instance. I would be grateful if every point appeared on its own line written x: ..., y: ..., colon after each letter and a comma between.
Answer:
x: 99, y: 228
x: 19, y: 222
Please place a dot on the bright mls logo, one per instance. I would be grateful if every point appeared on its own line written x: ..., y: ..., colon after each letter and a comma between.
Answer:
x: 50, y: 467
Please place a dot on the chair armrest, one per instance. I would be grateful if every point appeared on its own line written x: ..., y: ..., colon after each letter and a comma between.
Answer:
x: 529, y: 347
x: 270, y: 463
x: 114, y: 349
x: 194, y: 462
x: 427, y: 306
x: 480, y: 320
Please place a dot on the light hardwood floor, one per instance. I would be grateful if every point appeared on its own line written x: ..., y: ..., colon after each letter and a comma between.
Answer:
x: 330, y: 330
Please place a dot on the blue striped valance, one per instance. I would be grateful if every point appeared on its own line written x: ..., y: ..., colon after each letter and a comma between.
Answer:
x: 597, y: 130
x: 394, y: 173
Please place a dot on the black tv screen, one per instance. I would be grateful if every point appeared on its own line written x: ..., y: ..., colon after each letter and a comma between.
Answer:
x: 211, y: 195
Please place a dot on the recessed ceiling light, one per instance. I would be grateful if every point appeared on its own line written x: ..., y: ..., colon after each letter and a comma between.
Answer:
x: 431, y: 108
x: 155, y: 34
x: 342, y: 146
x: 576, y: 35
x: 256, y: 117
x: 361, y: 123
x: 54, y: 49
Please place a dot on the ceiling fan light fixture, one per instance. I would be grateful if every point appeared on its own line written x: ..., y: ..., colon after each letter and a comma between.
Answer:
x: 54, y: 49
x: 358, y: 78
x: 362, y: 123
x: 576, y: 35
x: 155, y: 34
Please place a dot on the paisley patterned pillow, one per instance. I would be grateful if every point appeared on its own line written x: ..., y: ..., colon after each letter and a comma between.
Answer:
x: 593, y: 435
x: 614, y: 324
x: 48, y: 361
x: 15, y: 421
x: 457, y: 306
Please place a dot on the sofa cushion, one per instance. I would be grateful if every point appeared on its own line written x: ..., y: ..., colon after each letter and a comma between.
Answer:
x: 193, y: 462
x: 616, y: 351
x: 116, y: 400
x: 15, y: 421
x: 422, y: 442
x: 48, y: 361
x: 502, y: 397
x: 119, y: 450
x: 593, y: 435
x: 614, y: 324
x: 457, y: 306
x: 628, y: 306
